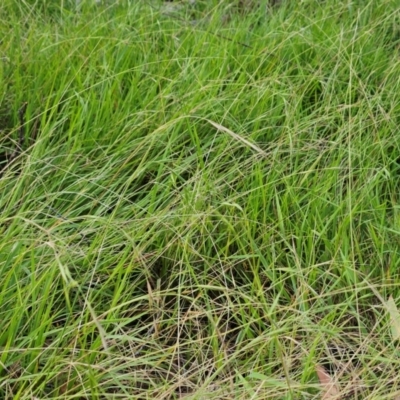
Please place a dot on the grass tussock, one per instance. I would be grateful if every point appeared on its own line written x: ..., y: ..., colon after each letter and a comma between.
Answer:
x: 199, y: 201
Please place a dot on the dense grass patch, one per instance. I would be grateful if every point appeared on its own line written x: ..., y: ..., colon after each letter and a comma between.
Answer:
x: 200, y: 200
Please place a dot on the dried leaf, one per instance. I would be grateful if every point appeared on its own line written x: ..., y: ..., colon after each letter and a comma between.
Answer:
x: 329, y: 389
x: 394, y: 318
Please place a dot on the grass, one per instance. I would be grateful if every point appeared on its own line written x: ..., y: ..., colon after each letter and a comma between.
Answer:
x: 206, y: 202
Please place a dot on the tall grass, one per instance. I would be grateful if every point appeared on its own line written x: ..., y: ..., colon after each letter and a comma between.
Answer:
x: 206, y: 200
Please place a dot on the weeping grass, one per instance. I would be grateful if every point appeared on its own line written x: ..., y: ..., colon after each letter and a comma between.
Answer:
x: 205, y: 205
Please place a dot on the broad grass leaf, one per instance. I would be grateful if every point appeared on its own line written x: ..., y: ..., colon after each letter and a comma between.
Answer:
x: 391, y: 308
x: 329, y: 389
x: 394, y: 318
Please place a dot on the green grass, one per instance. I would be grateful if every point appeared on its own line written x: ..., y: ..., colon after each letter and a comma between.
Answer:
x: 206, y: 204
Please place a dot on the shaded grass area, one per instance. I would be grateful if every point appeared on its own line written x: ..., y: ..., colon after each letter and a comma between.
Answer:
x: 204, y: 207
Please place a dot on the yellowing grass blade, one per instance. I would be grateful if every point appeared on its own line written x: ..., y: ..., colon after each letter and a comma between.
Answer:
x: 237, y: 137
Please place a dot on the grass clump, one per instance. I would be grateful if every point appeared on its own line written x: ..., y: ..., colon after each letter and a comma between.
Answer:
x: 200, y: 202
